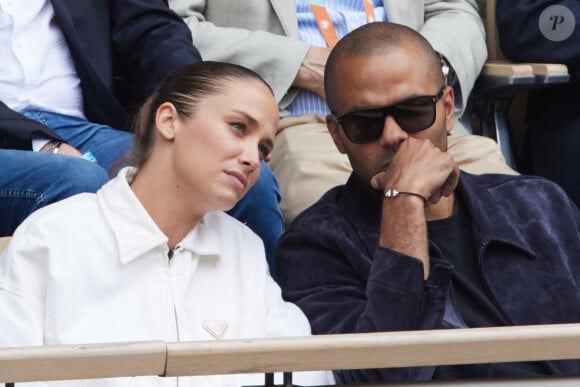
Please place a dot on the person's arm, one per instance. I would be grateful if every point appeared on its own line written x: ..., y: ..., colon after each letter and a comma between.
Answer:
x: 455, y: 29
x: 23, y: 290
x: 520, y: 36
x: 149, y: 42
x: 277, y: 58
x: 23, y: 268
x: 310, y: 76
x: 418, y: 177
x: 344, y: 288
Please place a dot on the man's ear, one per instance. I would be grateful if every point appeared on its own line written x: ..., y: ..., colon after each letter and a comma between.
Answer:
x: 166, y: 120
x: 333, y: 127
x: 449, y: 104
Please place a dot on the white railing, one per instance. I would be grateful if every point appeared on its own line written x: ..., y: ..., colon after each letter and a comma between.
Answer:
x: 323, y: 352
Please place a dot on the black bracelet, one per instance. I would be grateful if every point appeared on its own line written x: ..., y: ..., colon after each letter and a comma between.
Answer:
x: 393, y: 193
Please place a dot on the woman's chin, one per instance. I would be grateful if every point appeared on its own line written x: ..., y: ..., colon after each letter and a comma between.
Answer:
x: 227, y: 203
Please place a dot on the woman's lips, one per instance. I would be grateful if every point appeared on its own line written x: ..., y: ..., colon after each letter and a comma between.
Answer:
x: 243, y: 180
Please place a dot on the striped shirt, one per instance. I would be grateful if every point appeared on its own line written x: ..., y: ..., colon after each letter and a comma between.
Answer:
x: 346, y: 15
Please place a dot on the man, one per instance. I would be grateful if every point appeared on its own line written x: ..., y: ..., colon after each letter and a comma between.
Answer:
x: 282, y: 41
x: 547, y: 31
x: 72, y: 74
x: 411, y: 242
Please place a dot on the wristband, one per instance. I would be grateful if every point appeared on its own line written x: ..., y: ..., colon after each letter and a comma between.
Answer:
x: 89, y: 156
x: 393, y: 193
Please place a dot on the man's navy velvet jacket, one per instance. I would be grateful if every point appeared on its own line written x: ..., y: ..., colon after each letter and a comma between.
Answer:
x: 136, y: 41
x: 527, y: 238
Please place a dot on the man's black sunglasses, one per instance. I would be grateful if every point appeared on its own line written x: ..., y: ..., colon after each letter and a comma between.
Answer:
x: 412, y: 114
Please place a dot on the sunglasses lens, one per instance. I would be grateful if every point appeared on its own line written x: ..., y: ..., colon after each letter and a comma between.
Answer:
x: 363, y: 126
x: 412, y: 115
x: 415, y: 115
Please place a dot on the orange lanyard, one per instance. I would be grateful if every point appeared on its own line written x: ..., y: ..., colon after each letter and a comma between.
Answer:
x: 325, y: 24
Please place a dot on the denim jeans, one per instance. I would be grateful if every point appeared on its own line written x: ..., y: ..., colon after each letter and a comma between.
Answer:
x: 45, y: 178
x: 105, y: 143
x: 30, y: 180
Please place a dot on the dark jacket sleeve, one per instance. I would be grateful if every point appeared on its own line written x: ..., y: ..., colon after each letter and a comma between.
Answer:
x: 149, y: 42
x: 16, y: 131
x: 531, y: 30
x: 329, y: 274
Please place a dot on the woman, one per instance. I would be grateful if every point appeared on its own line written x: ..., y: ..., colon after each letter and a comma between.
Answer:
x: 151, y: 256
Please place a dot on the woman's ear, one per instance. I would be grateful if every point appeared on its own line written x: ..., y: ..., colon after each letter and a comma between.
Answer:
x: 166, y: 120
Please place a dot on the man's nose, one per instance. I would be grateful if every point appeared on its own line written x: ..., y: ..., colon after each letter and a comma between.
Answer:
x: 392, y: 134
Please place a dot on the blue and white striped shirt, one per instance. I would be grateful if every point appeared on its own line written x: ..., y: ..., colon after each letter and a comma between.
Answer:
x: 346, y: 15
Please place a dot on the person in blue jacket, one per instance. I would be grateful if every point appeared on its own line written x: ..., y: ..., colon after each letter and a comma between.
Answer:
x: 71, y: 75
x: 547, y: 31
x: 411, y: 242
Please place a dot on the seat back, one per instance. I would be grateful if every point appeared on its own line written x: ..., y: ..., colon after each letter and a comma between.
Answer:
x: 500, y: 83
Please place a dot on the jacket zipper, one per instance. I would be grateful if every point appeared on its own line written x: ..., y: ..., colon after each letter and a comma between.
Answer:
x: 483, y: 280
x: 485, y: 283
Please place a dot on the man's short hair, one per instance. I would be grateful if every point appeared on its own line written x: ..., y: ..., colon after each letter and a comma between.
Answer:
x: 378, y: 39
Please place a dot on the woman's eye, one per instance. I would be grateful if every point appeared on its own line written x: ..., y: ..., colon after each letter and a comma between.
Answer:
x: 238, y: 126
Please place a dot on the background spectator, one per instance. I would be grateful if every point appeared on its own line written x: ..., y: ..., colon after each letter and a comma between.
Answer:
x: 281, y: 41
x: 547, y: 31
x: 72, y: 73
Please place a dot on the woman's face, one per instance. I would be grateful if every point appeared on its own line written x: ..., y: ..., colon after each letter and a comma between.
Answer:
x: 217, y: 151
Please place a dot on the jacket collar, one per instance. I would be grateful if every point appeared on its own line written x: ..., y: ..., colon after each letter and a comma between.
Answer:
x: 286, y: 11
x: 135, y: 231
x: 491, y: 220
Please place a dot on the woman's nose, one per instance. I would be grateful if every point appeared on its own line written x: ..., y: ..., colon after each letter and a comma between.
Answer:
x: 250, y: 157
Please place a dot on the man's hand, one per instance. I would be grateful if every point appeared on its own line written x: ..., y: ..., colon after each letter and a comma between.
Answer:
x: 420, y: 167
x: 311, y: 73
x: 64, y: 149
